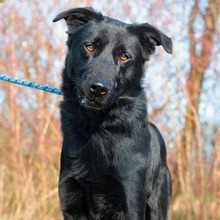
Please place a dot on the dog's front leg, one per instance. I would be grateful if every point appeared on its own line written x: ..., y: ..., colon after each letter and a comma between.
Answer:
x: 72, y: 199
x: 136, y: 198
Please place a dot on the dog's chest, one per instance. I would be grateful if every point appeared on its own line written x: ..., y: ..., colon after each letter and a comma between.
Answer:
x: 103, y: 189
x: 95, y: 180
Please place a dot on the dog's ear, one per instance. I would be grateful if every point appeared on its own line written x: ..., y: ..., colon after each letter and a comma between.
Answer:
x: 77, y: 17
x: 150, y: 37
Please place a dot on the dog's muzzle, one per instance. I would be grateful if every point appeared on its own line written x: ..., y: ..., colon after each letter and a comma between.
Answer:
x: 96, y: 91
x: 91, y: 104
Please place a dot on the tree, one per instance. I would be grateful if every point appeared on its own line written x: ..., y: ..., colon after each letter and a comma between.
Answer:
x: 190, y: 140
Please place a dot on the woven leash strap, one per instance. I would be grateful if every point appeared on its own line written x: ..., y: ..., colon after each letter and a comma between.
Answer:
x: 32, y: 85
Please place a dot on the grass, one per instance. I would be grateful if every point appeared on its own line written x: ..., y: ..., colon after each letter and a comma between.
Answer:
x: 28, y: 184
x: 28, y: 187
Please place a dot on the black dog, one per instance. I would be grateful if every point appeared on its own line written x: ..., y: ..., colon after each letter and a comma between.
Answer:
x: 113, y: 162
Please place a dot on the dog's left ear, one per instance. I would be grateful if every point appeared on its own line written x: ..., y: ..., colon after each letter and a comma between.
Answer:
x: 150, y: 37
x: 77, y: 17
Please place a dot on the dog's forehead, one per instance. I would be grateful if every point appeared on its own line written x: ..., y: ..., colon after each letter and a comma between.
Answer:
x: 112, y: 31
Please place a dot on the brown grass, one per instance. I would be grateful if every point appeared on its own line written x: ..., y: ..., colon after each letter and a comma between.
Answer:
x: 28, y: 185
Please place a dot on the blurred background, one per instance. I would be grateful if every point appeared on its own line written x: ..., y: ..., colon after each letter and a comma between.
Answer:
x: 183, y: 92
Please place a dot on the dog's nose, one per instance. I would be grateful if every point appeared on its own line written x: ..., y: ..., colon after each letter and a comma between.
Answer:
x: 98, y: 87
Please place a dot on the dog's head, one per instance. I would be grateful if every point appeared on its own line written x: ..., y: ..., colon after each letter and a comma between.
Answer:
x: 106, y: 57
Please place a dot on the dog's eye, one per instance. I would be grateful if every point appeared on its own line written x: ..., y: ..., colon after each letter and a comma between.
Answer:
x: 90, y: 48
x: 124, y: 57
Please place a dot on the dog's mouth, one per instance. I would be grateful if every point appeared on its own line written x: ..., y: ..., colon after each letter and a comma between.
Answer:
x: 90, y: 104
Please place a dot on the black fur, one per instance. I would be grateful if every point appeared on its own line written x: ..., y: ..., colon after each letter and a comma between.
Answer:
x: 113, y: 162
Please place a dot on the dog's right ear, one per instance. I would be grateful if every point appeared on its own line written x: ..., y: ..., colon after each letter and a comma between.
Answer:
x: 77, y: 17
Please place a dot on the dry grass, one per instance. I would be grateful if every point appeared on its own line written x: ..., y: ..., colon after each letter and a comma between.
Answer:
x: 29, y: 172
x: 28, y: 188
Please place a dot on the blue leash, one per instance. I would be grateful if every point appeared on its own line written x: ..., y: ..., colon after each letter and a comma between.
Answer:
x: 31, y: 84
